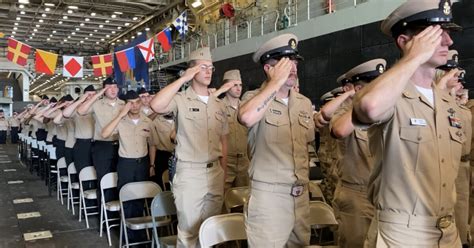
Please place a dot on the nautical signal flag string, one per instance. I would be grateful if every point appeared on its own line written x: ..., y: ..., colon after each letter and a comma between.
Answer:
x: 45, y: 62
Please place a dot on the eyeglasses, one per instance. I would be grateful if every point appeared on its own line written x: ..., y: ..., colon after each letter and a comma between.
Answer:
x: 207, y: 67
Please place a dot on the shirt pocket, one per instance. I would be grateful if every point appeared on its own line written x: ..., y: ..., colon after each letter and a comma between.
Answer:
x: 277, y: 130
x: 306, y: 130
x: 417, y: 148
x: 458, y: 140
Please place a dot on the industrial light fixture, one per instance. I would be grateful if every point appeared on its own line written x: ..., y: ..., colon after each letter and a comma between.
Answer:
x: 21, y: 6
x: 70, y: 11
x: 72, y: 7
x: 43, y: 15
x: 82, y: 24
x: 147, y: 29
x: 54, y: 31
x: 127, y: 24
x: 49, y: 4
x: 18, y: 18
x: 24, y: 1
x: 113, y: 16
x: 196, y: 3
x: 60, y: 22
x: 22, y: 12
x: 135, y: 18
x: 37, y: 25
x: 92, y: 14
x: 101, y: 26
x: 65, y: 17
x: 87, y: 19
x: 47, y: 9
x: 41, y: 20
x: 118, y: 13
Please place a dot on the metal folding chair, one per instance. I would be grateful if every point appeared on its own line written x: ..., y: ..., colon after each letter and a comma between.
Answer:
x: 163, y: 206
x: 71, y: 187
x: 109, y: 181
x: 236, y: 198
x: 222, y: 228
x: 87, y: 174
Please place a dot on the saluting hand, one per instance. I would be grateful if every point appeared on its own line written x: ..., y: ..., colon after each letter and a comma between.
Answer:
x: 87, y: 94
x: 444, y: 82
x: 125, y: 109
x: 423, y: 45
x: 279, y: 73
x: 190, y: 73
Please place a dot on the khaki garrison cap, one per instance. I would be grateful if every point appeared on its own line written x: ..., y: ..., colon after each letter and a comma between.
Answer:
x: 419, y: 13
x: 232, y: 75
x: 367, y: 71
x: 284, y: 45
x: 343, y: 80
x: 203, y: 53
x: 462, y: 76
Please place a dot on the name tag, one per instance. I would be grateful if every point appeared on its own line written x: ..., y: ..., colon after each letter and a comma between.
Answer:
x: 193, y: 109
x: 417, y: 122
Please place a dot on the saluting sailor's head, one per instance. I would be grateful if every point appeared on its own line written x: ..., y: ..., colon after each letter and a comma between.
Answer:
x: 414, y: 16
x: 282, y: 46
x: 202, y: 58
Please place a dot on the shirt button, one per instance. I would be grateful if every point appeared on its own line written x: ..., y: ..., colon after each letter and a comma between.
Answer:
x: 442, y: 160
x: 439, y: 136
x: 444, y: 185
x: 419, y: 138
x: 442, y: 208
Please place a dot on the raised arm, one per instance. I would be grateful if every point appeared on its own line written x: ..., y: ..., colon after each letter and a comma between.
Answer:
x: 375, y: 101
x: 253, y: 110
x: 224, y: 88
x: 330, y: 108
x: 162, y: 99
x: 109, y: 129
x: 87, y: 105
x: 69, y: 110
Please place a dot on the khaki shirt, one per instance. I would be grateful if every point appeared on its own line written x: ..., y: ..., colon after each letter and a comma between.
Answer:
x: 3, y: 124
x: 61, y: 131
x: 70, y: 139
x: 279, y: 141
x: 417, y: 155
x: 14, y: 122
x: 104, y: 111
x: 134, y: 138
x: 200, y: 126
x: 470, y: 106
x: 237, y: 139
x: 354, y: 160
x: 164, y: 128
x: 51, y: 127
x: 84, y: 126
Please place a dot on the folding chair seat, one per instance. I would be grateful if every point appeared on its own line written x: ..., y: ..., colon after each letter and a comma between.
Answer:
x: 321, y: 215
x: 87, y: 174
x: 135, y: 191
x: 108, y: 182
x: 163, y: 206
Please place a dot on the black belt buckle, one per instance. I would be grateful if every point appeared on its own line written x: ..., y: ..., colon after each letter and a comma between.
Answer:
x: 209, y: 165
x: 444, y: 222
x: 297, y: 189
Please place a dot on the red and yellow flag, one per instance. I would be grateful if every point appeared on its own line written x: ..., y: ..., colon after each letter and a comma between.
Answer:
x: 45, y: 62
x: 102, y: 64
x: 18, y: 52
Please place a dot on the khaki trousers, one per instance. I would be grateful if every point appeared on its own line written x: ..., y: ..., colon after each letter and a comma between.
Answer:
x: 391, y: 232
x: 237, y: 172
x: 277, y: 219
x: 198, y: 193
x: 461, y: 208
x: 354, y: 213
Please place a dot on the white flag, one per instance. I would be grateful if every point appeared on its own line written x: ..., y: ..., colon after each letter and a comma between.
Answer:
x: 147, y: 49
x: 73, y: 66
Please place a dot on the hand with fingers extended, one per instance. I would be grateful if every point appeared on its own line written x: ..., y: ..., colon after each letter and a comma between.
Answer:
x: 449, y: 79
x: 125, y: 109
x: 279, y: 73
x: 86, y: 95
x: 189, y: 74
x: 423, y: 45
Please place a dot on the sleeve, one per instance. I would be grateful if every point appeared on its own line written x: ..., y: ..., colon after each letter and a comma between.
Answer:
x: 340, y: 112
x: 173, y: 105
x: 153, y: 138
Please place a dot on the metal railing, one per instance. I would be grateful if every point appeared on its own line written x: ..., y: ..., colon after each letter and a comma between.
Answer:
x: 225, y: 33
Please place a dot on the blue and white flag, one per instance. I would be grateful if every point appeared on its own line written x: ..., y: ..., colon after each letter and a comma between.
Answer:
x: 181, y: 23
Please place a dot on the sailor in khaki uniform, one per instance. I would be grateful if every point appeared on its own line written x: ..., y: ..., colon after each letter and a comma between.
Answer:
x: 415, y: 136
x: 450, y: 77
x: 201, y: 150
x: 354, y: 162
x: 83, y: 132
x: 104, y: 110
x: 136, y: 133
x: 237, y: 158
x: 64, y: 131
x: 3, y: 127
x: 14, y: 123
x: 281, y: 127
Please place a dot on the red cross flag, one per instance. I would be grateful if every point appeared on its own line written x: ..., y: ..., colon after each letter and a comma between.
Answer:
x: 147, y: 49
x: 18, y: 52
x: 73, y: 66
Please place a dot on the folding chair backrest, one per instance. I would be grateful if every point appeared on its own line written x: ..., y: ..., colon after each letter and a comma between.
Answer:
x: 109, y: 181
x: 138, y: 190
x: 61, y: 163
x: 321, y: 214
x: 222, y: 228
x: 34, y: 143
x: 71, y: 169
x: 87, y: 174
x: 163, y: 204
x: 236, y: 197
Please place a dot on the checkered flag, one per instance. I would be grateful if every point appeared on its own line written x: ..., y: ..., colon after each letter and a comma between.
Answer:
x: 181, y: 24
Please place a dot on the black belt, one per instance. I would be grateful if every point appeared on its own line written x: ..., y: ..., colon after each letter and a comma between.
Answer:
x: 137, y: 160
x: 113, y: 142
x: 465, y: 158
x: 237, y: 155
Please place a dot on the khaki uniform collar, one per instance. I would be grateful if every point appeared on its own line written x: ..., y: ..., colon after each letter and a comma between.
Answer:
x: 191, y: 95
x: 228, y: 104
x: 411, y: 92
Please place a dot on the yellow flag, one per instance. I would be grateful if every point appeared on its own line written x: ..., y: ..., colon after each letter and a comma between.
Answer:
x: 45, y: 62
x: 2, y: 35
